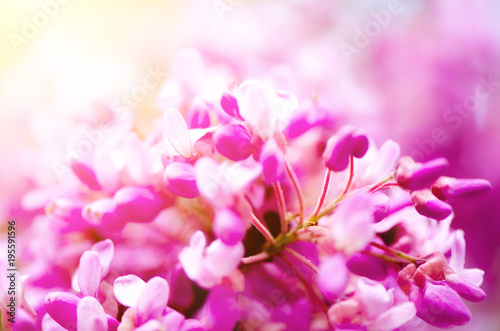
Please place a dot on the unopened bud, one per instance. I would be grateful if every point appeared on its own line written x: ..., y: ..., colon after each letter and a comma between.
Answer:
x: 416, y: 176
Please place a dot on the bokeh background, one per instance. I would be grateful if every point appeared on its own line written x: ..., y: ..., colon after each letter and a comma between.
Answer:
x: 423, y: 73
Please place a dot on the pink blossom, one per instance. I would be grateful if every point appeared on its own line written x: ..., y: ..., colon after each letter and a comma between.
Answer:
x: 209, y: 265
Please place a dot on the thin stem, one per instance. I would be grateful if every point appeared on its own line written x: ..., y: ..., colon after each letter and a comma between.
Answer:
x: 383, y: 257
x: 265, y: 232
x: 297, y: 188
x: 395, y: 252
x: 282, y: 205
x: 255, y: 258
x: 380, y: 184
x: 302, y: 259
x: 324, y: 192
x: 314, y: 231
x: 351, y: 175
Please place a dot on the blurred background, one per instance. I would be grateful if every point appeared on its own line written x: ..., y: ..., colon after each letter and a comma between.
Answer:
x: 423, y: 73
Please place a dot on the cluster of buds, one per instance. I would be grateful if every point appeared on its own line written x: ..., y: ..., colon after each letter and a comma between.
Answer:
x: 212, y: 224
x: 431, y: 191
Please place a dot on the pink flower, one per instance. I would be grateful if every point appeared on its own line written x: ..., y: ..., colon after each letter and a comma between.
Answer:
x: 436, y: 289
x: 233, y: 141
x: 351, y: 224
x: 272, y: 159
x: 373, y: 307
x: 416, y: 176
x: 149, y: 299
x: 347, y: 142
x: 180, y: 179
x: 207, y: 266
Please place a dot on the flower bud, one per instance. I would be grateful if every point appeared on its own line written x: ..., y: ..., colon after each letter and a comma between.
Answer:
x: 230, y: 105
x: 416, y: 176
x: 349, y: 141
x: 428, y: 205
x: 233, y: 142
x: 337, y: 152
x: 273, y: 162
x: 439, y: 305
x: 360, y: 144
x: 456, y: 190
x: 179, y: 178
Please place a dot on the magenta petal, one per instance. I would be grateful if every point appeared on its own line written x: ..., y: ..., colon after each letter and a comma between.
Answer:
x: 180, y: 179
x: 465, y: 289
x: 138, y: 203
x: 62, y: 308
x: 89, y: 273
x: 182, y: 294
x: 416, y: 176
x: 192, y: 325
x: 439, y: 305
x: 228, y: 226
x: 113, y: 323
x: 333, y: 286
x: 233, y: 142
x: 230, y: 105
x: 91, y: 316
x: 428, y: 205
x: 222, y: 312
x: 367, y: 266
x: 102, y: 213
x: 153, y: 298
x: 24, y: 321
x: 86, y: 175
x: 360, y: 144
x: 273, y: 162
x: 456, y: 190
x: 338, y: 150
x: 198, y: 115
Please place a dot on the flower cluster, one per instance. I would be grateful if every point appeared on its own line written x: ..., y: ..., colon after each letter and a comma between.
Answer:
x: 221, y: 219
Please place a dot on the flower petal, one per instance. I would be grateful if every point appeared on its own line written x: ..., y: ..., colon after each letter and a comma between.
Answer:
x: 153, y: 298
x: 62, y: 308
x: 89, y: 273
x: 465, y: 289
x: 128, y: 289
x: 177, y: 132
x: 105, y: 250
x: 333, y: 276
x: 457, y: 258
x: 91, y: 316
x: 394, y: 317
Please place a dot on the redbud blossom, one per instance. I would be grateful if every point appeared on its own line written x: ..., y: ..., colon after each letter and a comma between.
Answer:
x: 348, y: 142
x: 179, y: 178
x: 456, y: 190
x: 233, y: 142
x: 416, y: 176
x: 428, y: 205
